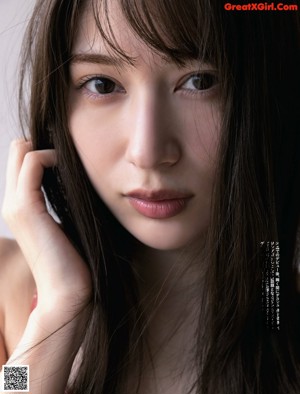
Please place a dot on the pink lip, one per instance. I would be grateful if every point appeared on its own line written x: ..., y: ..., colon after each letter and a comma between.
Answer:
x: 160, y: 204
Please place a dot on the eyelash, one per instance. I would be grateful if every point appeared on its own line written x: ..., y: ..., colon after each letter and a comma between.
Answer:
x: 92, y: 95
x: 189, y: 92
x: 204, y: 92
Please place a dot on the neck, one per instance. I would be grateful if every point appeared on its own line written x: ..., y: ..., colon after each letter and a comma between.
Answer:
x: 177, y: 271
x: 170, y: 288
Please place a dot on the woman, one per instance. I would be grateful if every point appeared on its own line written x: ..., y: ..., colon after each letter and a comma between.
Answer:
x: 165, y: 136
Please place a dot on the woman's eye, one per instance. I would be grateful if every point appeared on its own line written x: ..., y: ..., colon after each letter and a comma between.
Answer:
x: 102, y: 86
x: 200, y: 81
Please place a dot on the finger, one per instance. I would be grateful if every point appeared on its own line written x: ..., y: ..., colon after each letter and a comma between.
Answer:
x: 32, y: 170
x: 17, y: 151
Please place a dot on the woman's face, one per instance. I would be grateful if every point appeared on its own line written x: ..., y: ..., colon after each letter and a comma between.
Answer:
x: 147, y: 134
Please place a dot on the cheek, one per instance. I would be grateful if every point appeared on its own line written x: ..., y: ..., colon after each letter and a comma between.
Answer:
x: 97, y: 138
x: 202, y: 136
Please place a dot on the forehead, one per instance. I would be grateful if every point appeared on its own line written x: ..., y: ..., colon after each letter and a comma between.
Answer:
x: 134, y: 34
x: 150, y: 32
x: 97, y: 23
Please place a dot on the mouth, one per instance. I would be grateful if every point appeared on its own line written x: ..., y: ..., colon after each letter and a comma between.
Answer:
x: 159, y: 204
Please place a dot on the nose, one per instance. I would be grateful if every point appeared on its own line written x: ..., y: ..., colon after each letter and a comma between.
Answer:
x: 153, y: 141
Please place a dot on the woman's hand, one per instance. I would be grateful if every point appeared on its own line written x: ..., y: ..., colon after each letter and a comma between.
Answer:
x: 58, y: 270
x: 62, y: 278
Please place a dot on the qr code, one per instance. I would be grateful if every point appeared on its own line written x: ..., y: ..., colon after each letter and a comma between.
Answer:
x: 15, y: 378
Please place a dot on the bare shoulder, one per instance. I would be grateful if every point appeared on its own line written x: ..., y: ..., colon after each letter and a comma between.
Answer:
x: 8, y: 247
x: 16, y: 290
x: 12, y: 260
x: 14, y: 270
x: 5, y: 246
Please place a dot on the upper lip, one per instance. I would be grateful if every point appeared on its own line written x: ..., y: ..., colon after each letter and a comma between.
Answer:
x: 158, y: 195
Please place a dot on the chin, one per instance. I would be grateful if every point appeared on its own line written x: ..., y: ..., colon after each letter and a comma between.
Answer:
x: 165, y: 239
x: 166, y: 235
x: 163, y: 245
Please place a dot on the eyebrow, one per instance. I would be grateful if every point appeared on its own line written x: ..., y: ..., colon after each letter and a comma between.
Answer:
x: 97, y: 58
x: 118, y: 62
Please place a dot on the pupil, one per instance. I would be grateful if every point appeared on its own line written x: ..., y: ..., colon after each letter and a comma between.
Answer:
x: 204, y: 81
x: 104, y: 85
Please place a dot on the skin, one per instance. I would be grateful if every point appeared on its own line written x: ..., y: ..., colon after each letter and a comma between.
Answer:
x: 156, y: 130
x: 17, y: 300
x: 46, y: 258
x: 152, y: 130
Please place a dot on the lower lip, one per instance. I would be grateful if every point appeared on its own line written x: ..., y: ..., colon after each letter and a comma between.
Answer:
x: 162, y: 209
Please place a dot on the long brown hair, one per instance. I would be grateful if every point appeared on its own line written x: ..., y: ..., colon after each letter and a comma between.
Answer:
x: 256, y: 198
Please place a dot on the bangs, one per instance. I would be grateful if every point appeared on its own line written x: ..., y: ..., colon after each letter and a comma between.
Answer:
x: 177, y: 30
